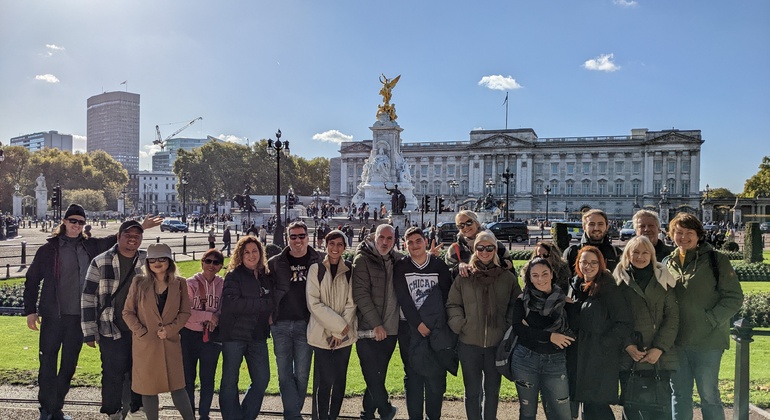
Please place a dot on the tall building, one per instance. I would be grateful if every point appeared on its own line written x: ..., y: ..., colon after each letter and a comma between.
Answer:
x: 616, y: 173
x: 39, y: 141
x: 113, y: 126
x: 163, y: 161
x: 156, y: 193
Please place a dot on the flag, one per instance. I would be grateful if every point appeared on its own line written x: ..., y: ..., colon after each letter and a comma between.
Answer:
x: 505, y: 102
x: 126, y: 81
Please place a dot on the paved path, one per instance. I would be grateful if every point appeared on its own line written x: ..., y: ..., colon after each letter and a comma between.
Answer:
x: 82, y: 404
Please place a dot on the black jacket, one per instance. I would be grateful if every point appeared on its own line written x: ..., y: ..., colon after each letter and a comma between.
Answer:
x: 280, y: 273
x: 45, y: 266
x: 246, y: 306
x: 610, y: 252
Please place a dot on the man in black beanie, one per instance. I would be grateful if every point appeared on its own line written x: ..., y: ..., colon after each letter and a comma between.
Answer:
x: 63, y: 260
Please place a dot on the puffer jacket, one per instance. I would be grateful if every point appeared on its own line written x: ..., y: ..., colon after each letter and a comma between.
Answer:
x: 370, y: 285
x: 246, y: 306
x: 656, y: 315
x: 705, y: 305
x: 331, y: 306
x: 466, y: 314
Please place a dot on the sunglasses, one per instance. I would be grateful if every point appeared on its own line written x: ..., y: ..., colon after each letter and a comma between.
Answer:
x: 468, y: 223
x: 210, y: 261
x: 159, y: 259
x: 76, y: 221
x: 488, y: 248
x: 298, y: 236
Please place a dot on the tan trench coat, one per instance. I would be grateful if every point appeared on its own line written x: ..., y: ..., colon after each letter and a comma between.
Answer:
x: 152, y: 357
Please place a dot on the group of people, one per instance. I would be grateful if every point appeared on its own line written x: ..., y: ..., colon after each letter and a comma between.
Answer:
x: 585, y: 321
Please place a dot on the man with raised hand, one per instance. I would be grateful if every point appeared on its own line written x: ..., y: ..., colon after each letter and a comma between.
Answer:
x: 375, y: 298
x: 289, y: 323
x: 106, y: 287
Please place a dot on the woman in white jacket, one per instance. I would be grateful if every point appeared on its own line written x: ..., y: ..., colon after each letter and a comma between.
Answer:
x: 331, y: 330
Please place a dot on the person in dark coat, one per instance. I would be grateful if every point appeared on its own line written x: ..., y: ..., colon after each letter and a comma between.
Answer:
x: 244, y: 328
x: 417, y: 279
x: 595, y: 233
x: 603, y: 324
x: 227, y: 239
x: 650, y: 293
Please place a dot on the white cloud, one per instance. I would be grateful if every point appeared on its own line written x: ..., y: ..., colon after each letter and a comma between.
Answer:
x: 602, y: 63
x: 48, y: 78
x: 498, y: 82
x: 626, y: 3
x: 149, y: 150
x: 79, y: 143
x: 54, y: 47
x: 332, y: 136
x: 232, y: 138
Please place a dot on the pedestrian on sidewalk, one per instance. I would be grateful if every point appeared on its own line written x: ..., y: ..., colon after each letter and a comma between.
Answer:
x: 212, y: 238
x: 157, y: 308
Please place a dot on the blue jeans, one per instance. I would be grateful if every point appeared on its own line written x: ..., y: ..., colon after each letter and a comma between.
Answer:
x: 544, y: 374
x: 195, y: 351
x: 702, y: 367
x: 233, y: 353
x: 292, y: 358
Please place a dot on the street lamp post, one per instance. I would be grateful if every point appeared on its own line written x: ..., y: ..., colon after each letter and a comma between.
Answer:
x: 547, y: 193
x: 185, y: 181
x: 453, y: 184
x: 123, y: 198
x: 274, y: 148
x: 507, y: 175
x: 2, y: 218
x: 317, y: 194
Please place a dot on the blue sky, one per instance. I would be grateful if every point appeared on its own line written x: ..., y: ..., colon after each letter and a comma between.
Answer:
x: 311, y: 68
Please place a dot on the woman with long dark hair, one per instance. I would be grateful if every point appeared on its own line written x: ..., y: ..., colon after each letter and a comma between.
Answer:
x: 539, y: 361
x: 603, y: 324
x: 244, y: 328
x: 199, y: 343
x: 156, y: 309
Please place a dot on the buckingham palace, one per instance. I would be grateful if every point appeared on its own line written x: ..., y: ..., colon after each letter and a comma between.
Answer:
x: 616, y: 173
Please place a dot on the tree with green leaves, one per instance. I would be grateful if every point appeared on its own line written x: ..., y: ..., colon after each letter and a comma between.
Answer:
x: 759, y: 184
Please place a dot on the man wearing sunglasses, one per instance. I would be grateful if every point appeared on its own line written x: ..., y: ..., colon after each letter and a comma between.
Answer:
x: 104, y: 294
x: 289, y: 322
x: 63, y: 261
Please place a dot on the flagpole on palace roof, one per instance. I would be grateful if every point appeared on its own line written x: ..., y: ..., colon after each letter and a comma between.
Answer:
x: 506, y: 110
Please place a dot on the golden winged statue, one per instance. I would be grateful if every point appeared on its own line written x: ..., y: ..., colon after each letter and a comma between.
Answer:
x: 387, y: 88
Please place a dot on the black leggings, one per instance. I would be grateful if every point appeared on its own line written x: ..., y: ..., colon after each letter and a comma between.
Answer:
x: 181, y: 402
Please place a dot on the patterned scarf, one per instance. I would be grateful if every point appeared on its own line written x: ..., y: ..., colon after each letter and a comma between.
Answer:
x: 548, y: 305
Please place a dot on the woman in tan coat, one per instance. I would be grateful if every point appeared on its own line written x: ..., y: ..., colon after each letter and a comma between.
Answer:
x: 156, y: 309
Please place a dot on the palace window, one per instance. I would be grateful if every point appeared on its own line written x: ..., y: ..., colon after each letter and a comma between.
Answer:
x: 570, y: 168
x: 602, y: 187
x: 619, y: 188
x: 586, y: 187
x: 685, y: 188
x: 685, y: 166
x: 619, y: 167
x: 554, y: 168
x: 658, y: 166
x: 637, y: 168
x: 671, y: 166
x: 570, y: 187
x: 586, y: 168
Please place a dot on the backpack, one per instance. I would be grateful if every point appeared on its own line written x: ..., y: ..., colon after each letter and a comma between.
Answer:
x: 322, y: 271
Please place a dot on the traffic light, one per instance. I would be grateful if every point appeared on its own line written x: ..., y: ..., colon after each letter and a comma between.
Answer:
x: 426, y: 204
x: 440, y: 205
x: 55, y: 198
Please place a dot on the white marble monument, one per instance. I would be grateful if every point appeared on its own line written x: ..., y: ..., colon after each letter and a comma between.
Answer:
x: 386, y: 173
x: 41, y: 194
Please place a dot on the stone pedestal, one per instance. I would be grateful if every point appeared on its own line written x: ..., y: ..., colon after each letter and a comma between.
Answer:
x: 121, y: 205
x: 708, y: 215
x: 17, y: 207
x: 663, y: 214
x: 41, y: 194
x: 385, y: 167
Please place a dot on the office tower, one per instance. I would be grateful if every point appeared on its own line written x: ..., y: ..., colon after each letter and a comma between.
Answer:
x: 113, y: 126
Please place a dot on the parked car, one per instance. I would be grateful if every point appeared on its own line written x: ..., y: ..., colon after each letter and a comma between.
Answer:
x: 515, y: 231
x: 764, y: 227
x: 173, y: 225
x: 446, y: 232
x: 627, y: 232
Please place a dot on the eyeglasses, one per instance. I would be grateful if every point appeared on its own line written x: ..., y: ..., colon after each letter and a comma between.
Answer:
x: 298, y: 236
x: 76, y: 221
x: 210, y: 261
x: 464, y: 224
x: 589, y: 263
x: 488, y: 248
x: 159, y: 259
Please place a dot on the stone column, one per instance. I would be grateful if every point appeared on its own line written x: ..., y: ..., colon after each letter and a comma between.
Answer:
x: 41, y: 194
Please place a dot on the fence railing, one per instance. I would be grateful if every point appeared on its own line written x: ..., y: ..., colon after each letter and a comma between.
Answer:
x: 743, y: 333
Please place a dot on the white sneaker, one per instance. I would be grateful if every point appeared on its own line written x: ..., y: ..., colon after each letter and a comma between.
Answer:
x: 136, y: 415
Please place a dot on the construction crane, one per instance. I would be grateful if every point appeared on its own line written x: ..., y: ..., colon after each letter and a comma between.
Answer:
x: 162, y: 143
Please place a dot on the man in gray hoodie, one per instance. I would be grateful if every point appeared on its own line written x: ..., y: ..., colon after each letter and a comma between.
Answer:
x: 378, y: 312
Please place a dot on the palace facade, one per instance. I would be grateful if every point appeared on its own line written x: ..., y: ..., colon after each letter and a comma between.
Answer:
x: 618, y: 174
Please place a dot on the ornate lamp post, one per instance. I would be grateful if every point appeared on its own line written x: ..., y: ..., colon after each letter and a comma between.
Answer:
x: 2, y: 219
x: 547, y: 193
x: 506, y: 176
x: 453, y: 184
x: 490, y: 184
x: 566, y: 213
x: 274, y: 148
x: 317, y: 195
x: 185, y: 181
x: 122, y: 210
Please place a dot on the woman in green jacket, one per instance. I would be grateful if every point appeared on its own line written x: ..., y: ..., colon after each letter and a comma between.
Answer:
x: 649, y: 291
x: 709, y: 294
x: 479, y: 311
